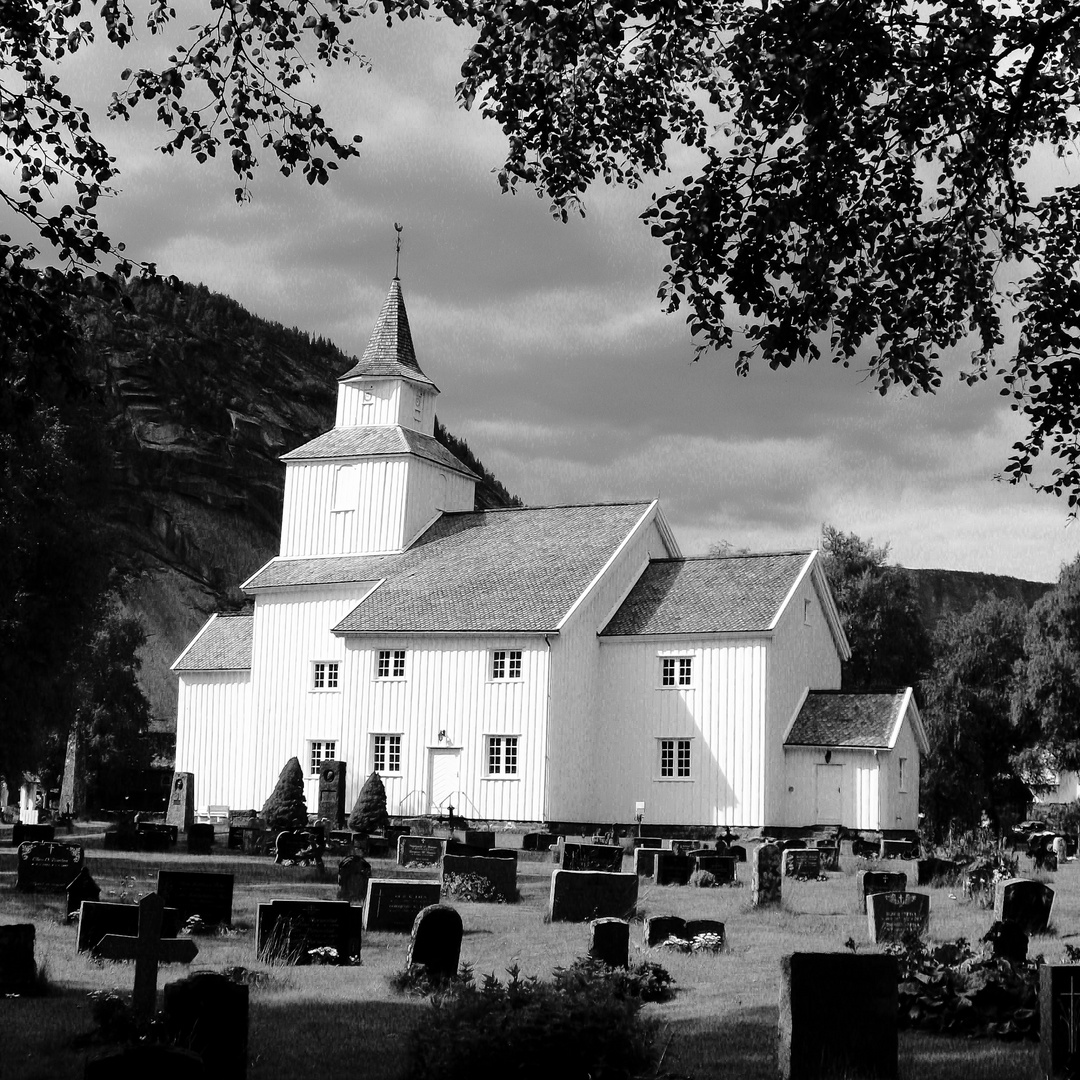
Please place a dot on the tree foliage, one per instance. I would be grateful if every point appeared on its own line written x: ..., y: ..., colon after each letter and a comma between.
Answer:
x: 369, y: 811
x: 286, y: 808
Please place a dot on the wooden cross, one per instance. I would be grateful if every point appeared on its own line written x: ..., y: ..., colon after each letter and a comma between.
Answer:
x: 147, y: 950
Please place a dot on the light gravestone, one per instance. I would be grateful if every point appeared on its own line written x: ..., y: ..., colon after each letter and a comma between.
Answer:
x: 207, y: 895
x: 765, y: 876
x: 875, y: 881
x: 47, y: 866
x: 208, y: 1013
x: 500, y: 872
x: 354, y: 873
x: 1026, y: 903
x: 425, y: 851
x: 288, y: 930
x: 332, y: 793
x: 610, y: 941
x: 802, y: 863
x: 181, y: 809
x: 897, y: 916
x: 581, y: 895
x: 393, y: 903
x: 838, y: 1016
x: 18, y: 970
x: 435, y: 941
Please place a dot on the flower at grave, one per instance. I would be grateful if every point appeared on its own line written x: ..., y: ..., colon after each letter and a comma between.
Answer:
x: 195, y: 925
x: 707, y: 943
x: 676, y: 944
x: 324, y: 954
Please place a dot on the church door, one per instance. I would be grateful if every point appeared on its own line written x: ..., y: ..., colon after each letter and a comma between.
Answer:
x: 444, y: 771
x: 829, y: 801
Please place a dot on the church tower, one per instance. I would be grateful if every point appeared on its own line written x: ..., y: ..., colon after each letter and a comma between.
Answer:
x: 379, y: 477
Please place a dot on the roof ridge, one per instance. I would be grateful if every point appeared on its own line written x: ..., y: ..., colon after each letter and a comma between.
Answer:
x: 740, y: 555
x: 548, y: 506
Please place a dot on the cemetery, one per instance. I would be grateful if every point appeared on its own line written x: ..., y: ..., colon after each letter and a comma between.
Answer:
x: 843, y: 965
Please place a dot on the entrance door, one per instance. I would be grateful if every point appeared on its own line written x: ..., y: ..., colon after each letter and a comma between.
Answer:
x: 829, y: 781
x: 444, y: 771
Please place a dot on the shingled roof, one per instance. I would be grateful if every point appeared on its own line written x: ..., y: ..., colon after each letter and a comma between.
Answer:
x: 494, y: 571
x: 223, y: 644
x: 390, y: 349
x: 724, y: 594
x: 376, y: 442
x: 868, y: 720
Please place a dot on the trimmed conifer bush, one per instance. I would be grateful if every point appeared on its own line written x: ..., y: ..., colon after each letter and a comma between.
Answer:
x: 286, y: 807
x: 369, y: 814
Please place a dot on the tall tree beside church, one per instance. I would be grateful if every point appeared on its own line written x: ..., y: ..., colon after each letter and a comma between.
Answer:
x: 879, y: 611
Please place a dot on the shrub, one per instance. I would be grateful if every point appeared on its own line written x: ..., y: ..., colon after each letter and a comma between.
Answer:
x: 472, y: 887
x: 417, y: 981
x: 286, y: 808
x: 369, y: 813
x: 703, y: 879
x: 645, y: 981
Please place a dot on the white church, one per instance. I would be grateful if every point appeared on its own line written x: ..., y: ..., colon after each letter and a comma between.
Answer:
x: 539, y: 664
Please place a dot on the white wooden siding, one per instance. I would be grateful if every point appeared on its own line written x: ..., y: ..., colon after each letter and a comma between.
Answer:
x: 432, y: 488
x: 860, y: 789
x: 215, y: 736
x: 393, y: 402
x: 900, y: 809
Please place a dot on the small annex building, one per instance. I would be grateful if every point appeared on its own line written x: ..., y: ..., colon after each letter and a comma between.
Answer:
x: 530, y: 664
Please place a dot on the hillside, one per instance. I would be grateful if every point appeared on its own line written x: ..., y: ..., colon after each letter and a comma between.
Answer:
x: 943, y: 592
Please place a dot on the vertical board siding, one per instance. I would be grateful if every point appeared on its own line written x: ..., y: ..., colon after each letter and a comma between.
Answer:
x: 383, y: 410
x: 213, y: 734
x: 431, y: 488
x: 859, y: 788
x: 900, y: 809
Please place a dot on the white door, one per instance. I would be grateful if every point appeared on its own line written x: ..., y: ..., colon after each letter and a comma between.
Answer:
x: 444, y: 768
x: 829, y: 781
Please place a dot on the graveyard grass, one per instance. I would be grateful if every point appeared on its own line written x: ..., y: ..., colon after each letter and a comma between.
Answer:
x: 321, y: 1020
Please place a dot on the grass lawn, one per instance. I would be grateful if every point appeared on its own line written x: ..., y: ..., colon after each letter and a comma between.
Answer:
x: 332, y: 1023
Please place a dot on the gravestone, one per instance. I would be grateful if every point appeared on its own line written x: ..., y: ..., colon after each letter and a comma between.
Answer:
x: 695, y: 927
x: 156, y: 835
x: 722, y: 867
x: 96, y: 920
x: 393, y: 904
x: 655, y: 842
x: 899, y: 849
x: 340, y: 841
x: 332, y: 793
x: 1008, y: 941
x: 802, y: 863
x: 145, y: 1060
x: 645, y: 861
x: 420, y: 850
x: 18, y: 970
x: 287, y: 930
x: 580, y: 895
x: 738, y: 851
x: 1059, y: 1020
x: 435, y: 941
x: 683, y: 847
x: 1024, y: 902
x: 22, y: 833
x: 830, y: 857
x: 47, y: 866
x: 765, y: 876
x: 673, y: 868
x: 200, y: 839
x: 592, y: 857
x: 502, y: 873
x: 875, y: 881
x: 658, y: 928
x: 479, y: 838
x: 208, y: 1013
x: 354, y: 873
x: 209, y: 896
x: 181, y: 809
x: 81, y: 887
x: 148, y: 950
x: 538, y: 841
x: 298, y: 847
x: 838, y: 1016
x: 897, y: 916
x: 250, y: 839
x: 609, y: 941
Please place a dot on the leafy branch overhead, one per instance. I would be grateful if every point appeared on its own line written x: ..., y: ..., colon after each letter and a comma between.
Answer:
x: 866, y: 182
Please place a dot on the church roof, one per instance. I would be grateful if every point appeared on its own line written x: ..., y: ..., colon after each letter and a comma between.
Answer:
x: 223, y: 644
x: 723, y: 594
x: 869, y: 720
x: 494, y: 571
x: 375, y: 442
x: 390, y: 351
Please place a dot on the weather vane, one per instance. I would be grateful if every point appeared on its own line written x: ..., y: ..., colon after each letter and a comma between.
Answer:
x: 397, y: 254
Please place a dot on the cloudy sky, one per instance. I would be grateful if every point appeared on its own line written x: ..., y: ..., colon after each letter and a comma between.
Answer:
x: 554, y: 358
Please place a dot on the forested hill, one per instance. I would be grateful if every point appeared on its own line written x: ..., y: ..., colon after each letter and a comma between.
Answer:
x: 941, y: 592
x: 204, y: 398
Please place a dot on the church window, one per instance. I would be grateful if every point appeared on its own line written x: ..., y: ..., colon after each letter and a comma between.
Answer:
x: 903, y: 774
x: 506, y: 664
x: 676, y: 671
x: 325, y: 675
x: 386, y: 753
x: 502, y: 755
x: 674, y: 759
x: 320, y: 751
x: 346, y: 488
x: 391, y: 664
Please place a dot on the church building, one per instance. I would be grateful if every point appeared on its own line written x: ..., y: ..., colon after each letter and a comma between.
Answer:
x: 532, y: 664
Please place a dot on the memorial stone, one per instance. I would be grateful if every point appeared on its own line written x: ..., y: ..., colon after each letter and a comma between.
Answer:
x: 208, y: 1013
x: 435, y: 941
x: 722, y: 867
x: 181, y: 809
x: 802, y: 863
x: 209, y: 896
x: 1059, y: 1021
x: 287, y: 930
x: 393, y: 904
x: 200, y: 839
x: 830, y: 857
x: 156, y: 835
x: 645, y: 861
x: 592, y: 857
x: 1060, y: 849
x: 1024, y: 902
x: 479, y: 838
x: 581, y: 895
x: 354, y: 873
x: 610, y: 941
x: 1008, y: 941
x: 502, y: 873
x: 875, y: 881
x: 899, y: 849
x: 897, y: 916
x: 332, y: 793
x: 658, y: 928
x: 81, y: 887
x: 420, y: 851
x: 738, y: 851
x: 696, y: 927
x: 673, y: 868
x: 48, y: 866
x: 647, y: 842
x: 22, y: 833
x: 96, y: 920
x: 538, y: 841
x: 765, y: 876
x: 18, y: 970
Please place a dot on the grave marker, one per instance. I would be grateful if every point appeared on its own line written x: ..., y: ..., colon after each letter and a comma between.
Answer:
x: 722, y: 867
x: 645, y: 861
x: 22, y: 833
x: 393, y: 904
x: 81, y: 887
x: 1024, y: 902
x: 200, y: 839
x: 610, y: 941
x: 830, y: 857
x: 897, y: 916
x: 332, y: 793
x: 1059, y: 1020
x: 96, y: 920
x: 156, y: 835
x: 420, y: 850
x: 181, y: 809
x: 207, y: 895
x: 18, y: 970
x: 658, y: 928
x: 47, y: 866
x: 435, y: 941
x: 479, y: 838
x: 287, y: 930
x: 592, y: 857
x: 765, y: 876
x: 298, y: 847
x: 875, y: 881
x: 354, y: 873
x: 802, y: 863
x: 673, y: 868
x: 208, y: 1013
x: 538, y: 841
x: 502, y: 873
x: 580, y: 895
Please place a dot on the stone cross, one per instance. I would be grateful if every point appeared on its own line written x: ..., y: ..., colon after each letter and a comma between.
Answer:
x: 147, y: 950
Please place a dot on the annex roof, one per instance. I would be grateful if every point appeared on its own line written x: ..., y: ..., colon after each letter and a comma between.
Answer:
x: 223, y: 644
x: 377, y: 442
x: 390, y: 351
x: 518, y: 569
x: 721, y: 594
x: 869, y: 720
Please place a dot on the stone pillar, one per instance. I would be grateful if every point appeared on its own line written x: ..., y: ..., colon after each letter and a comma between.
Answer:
x: 332, y: 793
x: 181, y: 809
x: 73, y: 785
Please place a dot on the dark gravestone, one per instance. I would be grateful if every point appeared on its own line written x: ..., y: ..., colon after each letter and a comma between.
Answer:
x: 683, y: 847
x: 207, y: 895
x: 938, y: 871
x: 181, y: 809
x: 538, y: 841
x: 156, y: 836
x: 610, y: 941
x: 502, y: 873
x: 18, y: 971
x: 200, y: 839
x: 393, y: 904
x: 645, y: 861
x: 1008, y: 941
x: 581, y: 895
x: 838, y: 1016
x: 1059, y: 1021
x: 874, y: 881
x: 654, y: 842
x: 435, y: 941
x: 419, y: 850
x: 81, y: 887
x: 673, y: 868
x: 479, y: 838
x: 765, y: 876
x: 1024, y: 902
x: 340, y: 841
x: 722, y: 867
x: 332, y: 793
x: 802, y: 863
x: 47, y: 866
x: 298, y: 847
x: 208, y: 1013
x: 738, y: 851
x: 830, y: 857
x: 22, y: 833
x: 145, y: 1060
x: 899, y: 849
x: 287, y: 930
x: 592, y: 857
x: 897, y: 916
x: 97, y: 920
x: 122, y: 837
x: 696, y: 927
x: 658, y: 928
x: 354, y: 873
